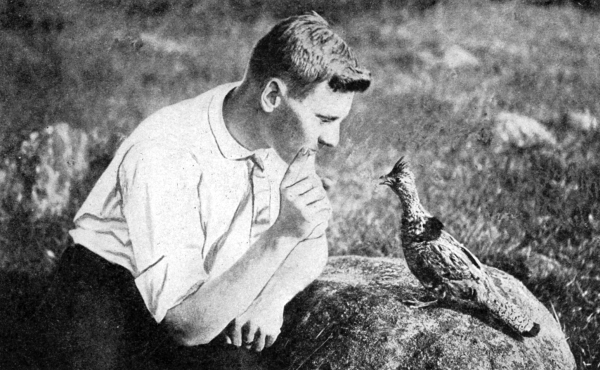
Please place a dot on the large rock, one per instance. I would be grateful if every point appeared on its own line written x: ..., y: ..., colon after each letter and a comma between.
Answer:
x: 457, y: 57
x: 583, y: 121
x: 353, y: 317
x: 61, y: 153
x: 517, y: 131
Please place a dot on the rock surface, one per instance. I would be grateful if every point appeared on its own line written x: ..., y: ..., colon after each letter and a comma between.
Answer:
x: 353, y: 317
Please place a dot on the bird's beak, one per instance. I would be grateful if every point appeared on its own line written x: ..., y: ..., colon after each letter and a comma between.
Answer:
x: 386, y: 180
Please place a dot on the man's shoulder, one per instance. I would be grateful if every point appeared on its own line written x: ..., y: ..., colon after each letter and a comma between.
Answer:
x: 184, y: 110
x: 198, y: 103
x: 184, y: 120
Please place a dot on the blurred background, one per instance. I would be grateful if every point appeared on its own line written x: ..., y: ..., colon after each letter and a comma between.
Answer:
x: 494, y: 103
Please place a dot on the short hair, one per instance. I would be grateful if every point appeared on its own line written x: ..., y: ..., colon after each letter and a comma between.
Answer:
x: 304, y: 51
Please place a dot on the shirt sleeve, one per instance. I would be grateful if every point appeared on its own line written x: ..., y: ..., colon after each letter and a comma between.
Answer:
x: 159, y: 188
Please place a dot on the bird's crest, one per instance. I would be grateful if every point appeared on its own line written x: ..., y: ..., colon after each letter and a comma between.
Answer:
x: 399, y: 176
x: 399, y: 167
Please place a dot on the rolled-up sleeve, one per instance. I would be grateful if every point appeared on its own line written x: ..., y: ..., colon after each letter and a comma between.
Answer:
x: 159, y: 188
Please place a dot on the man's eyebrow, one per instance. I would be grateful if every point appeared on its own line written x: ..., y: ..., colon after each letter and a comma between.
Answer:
x: 326, y: 117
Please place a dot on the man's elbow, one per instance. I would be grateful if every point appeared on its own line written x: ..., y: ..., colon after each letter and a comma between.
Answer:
x: 186, y: 333
x: 190, y: 340
x: 193, y: 341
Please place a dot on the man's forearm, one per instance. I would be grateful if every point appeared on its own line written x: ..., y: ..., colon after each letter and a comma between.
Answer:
x: 207, y: 311
x: 302, y: 266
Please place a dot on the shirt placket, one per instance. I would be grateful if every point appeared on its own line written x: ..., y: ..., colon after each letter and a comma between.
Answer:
x: 261, y: 199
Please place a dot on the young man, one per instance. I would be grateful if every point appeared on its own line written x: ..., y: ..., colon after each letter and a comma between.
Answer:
x: 210, y: 218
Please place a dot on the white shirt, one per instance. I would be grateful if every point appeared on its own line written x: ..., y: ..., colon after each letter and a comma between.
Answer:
x: 178, y: 203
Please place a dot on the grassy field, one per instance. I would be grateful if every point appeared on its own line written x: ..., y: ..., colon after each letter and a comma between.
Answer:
x: 535, y: 212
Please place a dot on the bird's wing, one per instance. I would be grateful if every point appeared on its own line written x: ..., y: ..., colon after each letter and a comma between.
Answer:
x: 455, y: 243
x: 453, y: 260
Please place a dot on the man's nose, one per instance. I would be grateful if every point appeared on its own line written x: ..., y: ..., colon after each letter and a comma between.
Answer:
x: 331, y: 135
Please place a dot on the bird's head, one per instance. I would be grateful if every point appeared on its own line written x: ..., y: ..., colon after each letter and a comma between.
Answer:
x: 400, y: 179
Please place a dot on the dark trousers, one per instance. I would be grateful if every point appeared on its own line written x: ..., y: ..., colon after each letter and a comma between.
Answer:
x: 93, y: 317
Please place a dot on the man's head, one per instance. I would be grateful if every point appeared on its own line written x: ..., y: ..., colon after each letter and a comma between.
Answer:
x: 307, y: 77
x: 303, y: 51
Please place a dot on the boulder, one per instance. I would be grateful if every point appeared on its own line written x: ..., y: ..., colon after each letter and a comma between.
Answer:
x: 354, y: 317
x: 61, y: 153
x: 518, y: 131
x: 457, y: 57
x: 540, y: 267
x: 583, y: 121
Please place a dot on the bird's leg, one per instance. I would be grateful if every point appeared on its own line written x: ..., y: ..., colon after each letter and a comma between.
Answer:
x: 413, y: 303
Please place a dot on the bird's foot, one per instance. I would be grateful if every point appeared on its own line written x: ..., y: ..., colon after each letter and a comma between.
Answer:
x: 413, y: 303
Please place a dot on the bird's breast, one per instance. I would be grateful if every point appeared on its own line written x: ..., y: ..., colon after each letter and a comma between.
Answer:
x: 421, y: 263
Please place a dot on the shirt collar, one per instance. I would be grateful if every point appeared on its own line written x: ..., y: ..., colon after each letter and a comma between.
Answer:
x: 228, y: 146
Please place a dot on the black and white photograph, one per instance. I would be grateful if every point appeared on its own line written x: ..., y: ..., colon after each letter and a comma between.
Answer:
x: 299, y: 185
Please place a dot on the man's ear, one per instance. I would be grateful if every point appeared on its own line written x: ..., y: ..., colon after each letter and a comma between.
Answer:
x: 271, y: 94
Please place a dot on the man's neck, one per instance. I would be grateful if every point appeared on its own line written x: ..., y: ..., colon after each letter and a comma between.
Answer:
x: 242, y: 117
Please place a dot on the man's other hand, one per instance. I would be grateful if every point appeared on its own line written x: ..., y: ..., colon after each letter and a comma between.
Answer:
x: 257, y: 328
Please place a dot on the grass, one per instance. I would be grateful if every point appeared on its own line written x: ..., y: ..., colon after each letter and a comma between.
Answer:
x: 532, y: 212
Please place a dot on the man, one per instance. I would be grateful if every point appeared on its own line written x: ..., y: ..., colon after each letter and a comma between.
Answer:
x: 210, y: 218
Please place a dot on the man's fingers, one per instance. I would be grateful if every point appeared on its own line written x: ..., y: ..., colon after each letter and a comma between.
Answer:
x: 314, y: 192
x: 236, y: 335
x: 315, y: 199
x: 295, y: 168
x: 318, y: 232
x: 259, y: 341
x: 301, y: 186
x: 248, y: 334
x: 323, y: 207
x: 269, y: 340
x: 305, y: 185
x: 315, y: 183
x: 317, y: 203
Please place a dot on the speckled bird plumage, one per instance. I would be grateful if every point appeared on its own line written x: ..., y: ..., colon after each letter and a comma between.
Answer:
x: 442, y: 264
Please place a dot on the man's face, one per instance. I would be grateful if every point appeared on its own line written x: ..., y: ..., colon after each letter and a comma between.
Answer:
x: 312, y: 122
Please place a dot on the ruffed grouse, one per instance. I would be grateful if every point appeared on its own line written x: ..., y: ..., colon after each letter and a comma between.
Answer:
x: 442, y: 264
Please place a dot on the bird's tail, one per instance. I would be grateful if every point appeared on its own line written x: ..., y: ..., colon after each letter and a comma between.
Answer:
x: 512, y: 315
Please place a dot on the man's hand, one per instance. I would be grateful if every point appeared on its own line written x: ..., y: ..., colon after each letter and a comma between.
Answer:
x: 305, y: 208
x: 257, y: 328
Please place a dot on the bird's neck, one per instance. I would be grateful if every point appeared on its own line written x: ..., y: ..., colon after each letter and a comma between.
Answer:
x: 411, y: 204
x: 414, y: 216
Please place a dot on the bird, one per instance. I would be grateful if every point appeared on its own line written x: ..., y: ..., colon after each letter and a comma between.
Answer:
x: 443, y: 265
